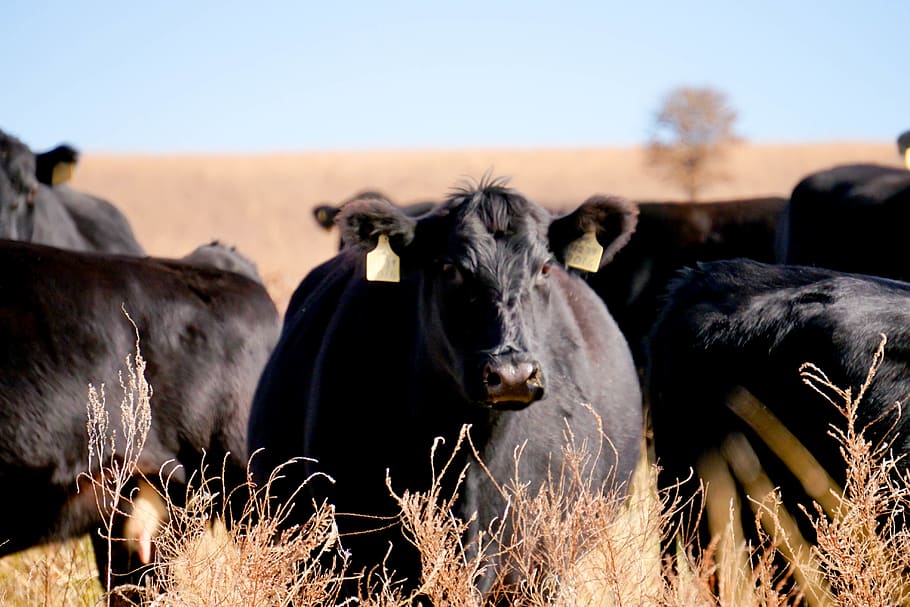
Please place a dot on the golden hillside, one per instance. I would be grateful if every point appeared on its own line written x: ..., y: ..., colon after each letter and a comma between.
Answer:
x: 262, y: 204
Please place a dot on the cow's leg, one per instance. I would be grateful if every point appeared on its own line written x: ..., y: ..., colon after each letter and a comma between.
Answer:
x: 126, y: 558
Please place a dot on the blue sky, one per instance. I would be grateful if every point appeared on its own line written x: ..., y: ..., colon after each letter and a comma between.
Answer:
x: 200, y: 76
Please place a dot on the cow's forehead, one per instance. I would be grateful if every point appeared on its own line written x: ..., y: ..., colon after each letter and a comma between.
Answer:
x: 496, y: 211
x: 499, y: 238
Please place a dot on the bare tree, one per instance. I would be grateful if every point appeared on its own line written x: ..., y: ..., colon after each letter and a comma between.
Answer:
x: 693, y: 128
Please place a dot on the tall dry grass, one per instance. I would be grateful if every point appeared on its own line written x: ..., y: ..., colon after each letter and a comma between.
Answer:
x: 60, y: 574
x: 567, y: 543
x: 864, y: 548
x: 113, y: 457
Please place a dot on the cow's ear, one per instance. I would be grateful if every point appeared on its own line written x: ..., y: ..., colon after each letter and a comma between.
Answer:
x: 62, y: 172
x: 363, y: 221
x: 610, y: 220
x: 325, y: 214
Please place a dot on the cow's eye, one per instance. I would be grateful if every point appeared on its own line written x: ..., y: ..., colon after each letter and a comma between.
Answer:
x: 451, y: 274
x: 544, y: 271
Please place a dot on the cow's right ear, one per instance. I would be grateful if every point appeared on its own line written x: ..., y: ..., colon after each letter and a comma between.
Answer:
x: 362, y: 221
x: 325, y: 214
x: 610, y: 220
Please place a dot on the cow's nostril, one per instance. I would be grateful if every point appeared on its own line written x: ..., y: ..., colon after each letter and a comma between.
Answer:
x: 512, y: 385
x: 493, y: 379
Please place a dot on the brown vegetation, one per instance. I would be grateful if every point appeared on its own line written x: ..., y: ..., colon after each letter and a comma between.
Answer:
x: 692, y: 136
x: 572, y: 544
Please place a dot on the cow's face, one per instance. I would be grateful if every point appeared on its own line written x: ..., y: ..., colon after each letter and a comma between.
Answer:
x: 485, y: 260
x: 18, y: 187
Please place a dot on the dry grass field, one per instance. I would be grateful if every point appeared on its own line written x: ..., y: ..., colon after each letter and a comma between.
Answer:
x: 262, y: 204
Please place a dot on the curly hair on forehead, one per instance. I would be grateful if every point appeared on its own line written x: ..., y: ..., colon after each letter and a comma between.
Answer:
x: 487, y: 182
x: 495, y: 204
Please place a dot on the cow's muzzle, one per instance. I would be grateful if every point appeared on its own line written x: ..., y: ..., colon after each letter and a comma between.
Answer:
x: 512, y: 384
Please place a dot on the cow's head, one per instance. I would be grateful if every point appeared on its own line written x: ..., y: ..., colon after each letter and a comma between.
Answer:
x: 485, y: 260
x: 18, y: 187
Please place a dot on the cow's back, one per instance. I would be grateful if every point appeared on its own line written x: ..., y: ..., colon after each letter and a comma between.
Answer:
x: 63, y: 321
x: 850, y: 218
x: 737, y: 325
x: 104, y: 228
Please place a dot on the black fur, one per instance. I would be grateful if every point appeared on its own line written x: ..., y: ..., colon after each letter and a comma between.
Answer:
x: 851, y: 218
x: 742, y: 324
x: 220, y: 256
x: 325, y: 214
x: 670, y: 236
x: 205, y: 335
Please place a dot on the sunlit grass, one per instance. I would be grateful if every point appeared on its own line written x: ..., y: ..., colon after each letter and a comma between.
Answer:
x: 60, y: 575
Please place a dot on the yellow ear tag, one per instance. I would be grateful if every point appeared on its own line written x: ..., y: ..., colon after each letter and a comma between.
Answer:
x: 383, y: 265
x: 584, y: 253
x: 63, y: 172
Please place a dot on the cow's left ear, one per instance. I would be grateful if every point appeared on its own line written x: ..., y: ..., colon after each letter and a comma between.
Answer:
x: 610, y: 219
x: 362, y: 221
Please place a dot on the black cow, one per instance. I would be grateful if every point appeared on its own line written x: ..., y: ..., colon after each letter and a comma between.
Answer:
x: 205, y: 334
x: 734, y: 325
x: 57, y: 216
x: 486, y: 328
x: 850, y: 218
x: 672, y: 235
x: 55, y: 166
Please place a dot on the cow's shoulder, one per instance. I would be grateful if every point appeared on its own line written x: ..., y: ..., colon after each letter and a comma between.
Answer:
x: 323, y: 285
x: 102, y: 225
x: 738, y: 301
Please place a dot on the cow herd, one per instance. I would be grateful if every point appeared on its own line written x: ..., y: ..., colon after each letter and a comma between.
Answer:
x: 75, y: 289
x: 482, y: 310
